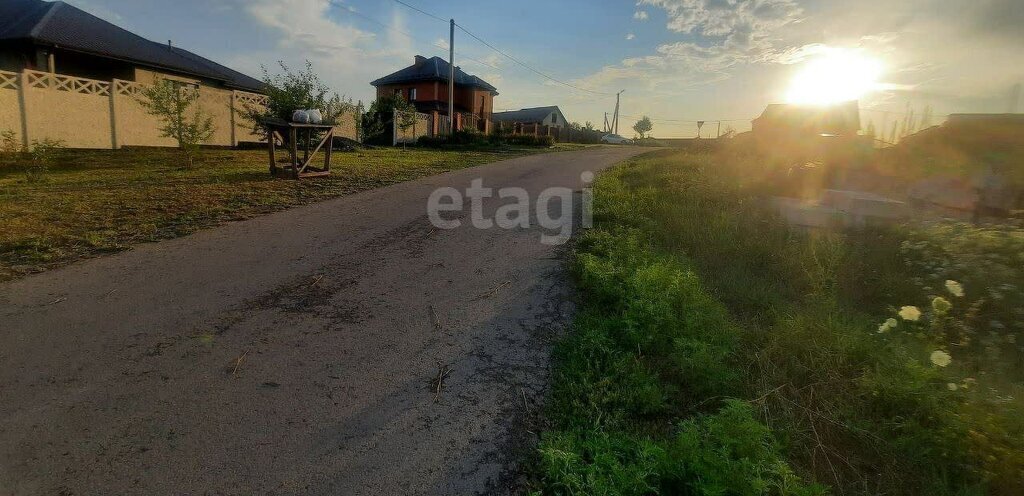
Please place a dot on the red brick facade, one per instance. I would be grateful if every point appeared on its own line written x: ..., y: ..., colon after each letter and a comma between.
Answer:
x: 433, y: 95
x: 425, y: 85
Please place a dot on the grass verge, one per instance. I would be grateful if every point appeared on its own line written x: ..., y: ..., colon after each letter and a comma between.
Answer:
x: 94, y: 202
x: 719, y: 352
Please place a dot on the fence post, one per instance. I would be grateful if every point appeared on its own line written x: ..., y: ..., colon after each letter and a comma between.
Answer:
x: 234, y: 136
x: 23, y: 106
x: 113, y: 114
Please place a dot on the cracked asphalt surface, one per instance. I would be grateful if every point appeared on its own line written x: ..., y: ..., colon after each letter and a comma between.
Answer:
x: 296, y: 353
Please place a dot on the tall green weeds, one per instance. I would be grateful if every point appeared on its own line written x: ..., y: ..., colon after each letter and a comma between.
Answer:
x: 717, y: 351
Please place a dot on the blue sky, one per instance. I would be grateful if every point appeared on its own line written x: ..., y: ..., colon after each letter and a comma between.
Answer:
x: 678, y: 60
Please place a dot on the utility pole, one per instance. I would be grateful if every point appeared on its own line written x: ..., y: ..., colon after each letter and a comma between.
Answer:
x: 615, y: 120
x: 451, y: 81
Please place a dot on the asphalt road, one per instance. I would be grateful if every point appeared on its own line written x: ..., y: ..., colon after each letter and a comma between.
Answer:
x: 296, y: 353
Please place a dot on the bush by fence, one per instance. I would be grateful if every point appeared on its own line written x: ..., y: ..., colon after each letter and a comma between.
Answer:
x: 467, y: 138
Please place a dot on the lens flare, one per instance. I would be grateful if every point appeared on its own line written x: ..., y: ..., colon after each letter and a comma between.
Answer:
x: 837, y: 75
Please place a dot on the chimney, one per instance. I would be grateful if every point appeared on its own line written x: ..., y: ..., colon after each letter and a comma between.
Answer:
x: 419, y: 60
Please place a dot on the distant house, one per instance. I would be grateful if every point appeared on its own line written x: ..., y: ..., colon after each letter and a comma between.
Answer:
x: 986, y: 119
x: 59, y: 38
x: 801, y: 121
x: 68, y: 75
x: 425, y: 84
x: 543, y: 116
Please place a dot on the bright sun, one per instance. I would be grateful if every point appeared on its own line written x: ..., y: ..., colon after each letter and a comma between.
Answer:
x: 837, y: 75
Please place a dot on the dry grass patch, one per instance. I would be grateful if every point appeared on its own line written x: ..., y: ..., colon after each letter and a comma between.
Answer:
x: 94, y: 202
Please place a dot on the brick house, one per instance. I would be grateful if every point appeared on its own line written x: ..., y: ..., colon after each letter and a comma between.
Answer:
x: 425, y: 84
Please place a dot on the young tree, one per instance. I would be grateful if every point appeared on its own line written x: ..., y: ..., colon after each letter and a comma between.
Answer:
x: 380, y: 113
x: 404, y: 115
x: 176, y: 105
x: 643, y: 126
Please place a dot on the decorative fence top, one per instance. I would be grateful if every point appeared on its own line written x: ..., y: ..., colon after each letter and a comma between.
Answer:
x: 127, y: 88
x: 47, y: 80
x: 246, y: 98
x: 59, y: 82
x: 8, y: 80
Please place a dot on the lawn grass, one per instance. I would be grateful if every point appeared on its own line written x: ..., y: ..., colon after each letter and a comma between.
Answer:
x: 94, y: 202
x: 717, y: 351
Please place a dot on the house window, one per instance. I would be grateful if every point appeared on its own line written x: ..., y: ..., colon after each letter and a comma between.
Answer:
x: 412, y: 94
x: 554, y: 118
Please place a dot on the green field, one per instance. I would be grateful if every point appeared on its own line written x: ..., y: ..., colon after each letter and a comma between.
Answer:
x: 93, y: 202
x: 718, y: 352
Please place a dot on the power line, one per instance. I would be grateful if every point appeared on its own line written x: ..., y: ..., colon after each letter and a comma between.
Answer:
x: 428, y: 14
x: 352, y: 11
x: 503, y: 53
x: 531, y: 69
x: 684, y: 121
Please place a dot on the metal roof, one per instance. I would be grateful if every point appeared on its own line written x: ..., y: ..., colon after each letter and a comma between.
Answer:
x: 528, y: 115
x: 68, y: 27
x: 433, y: 69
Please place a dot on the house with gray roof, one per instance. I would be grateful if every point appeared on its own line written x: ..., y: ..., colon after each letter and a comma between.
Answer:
x: 60, y: 38
x: 425, y: 85
x: 544, y: 116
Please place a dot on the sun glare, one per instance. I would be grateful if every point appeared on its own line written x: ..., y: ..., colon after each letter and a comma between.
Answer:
x: 837, y: 75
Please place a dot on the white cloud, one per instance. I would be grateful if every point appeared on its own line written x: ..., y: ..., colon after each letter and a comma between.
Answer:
x: 640, y: 15
x: 738, y: 22
x: 630, y: 36
x: 730, y: 32
x: 323, y: 32
x: 307, y: 24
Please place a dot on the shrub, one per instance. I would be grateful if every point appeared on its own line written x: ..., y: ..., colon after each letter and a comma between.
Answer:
x: 729, y: 452
x: 9, y: 143
x: 41, y: 156
x: 529, y: 140
x: 378, y: 120
x: 289, y: 91
x: 471, y: 138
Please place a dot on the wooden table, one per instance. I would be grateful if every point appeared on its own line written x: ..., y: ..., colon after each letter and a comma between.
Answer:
x: 278, y: 129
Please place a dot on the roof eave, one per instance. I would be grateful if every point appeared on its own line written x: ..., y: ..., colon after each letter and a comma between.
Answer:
x: 151, y: 65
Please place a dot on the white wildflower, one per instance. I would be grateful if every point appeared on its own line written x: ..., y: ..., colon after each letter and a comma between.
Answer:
x: 941, y: 358
x: 910, y: 313
x: 887, y: 326
x: 955, y: 288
